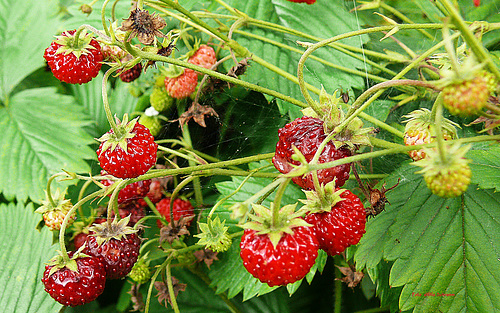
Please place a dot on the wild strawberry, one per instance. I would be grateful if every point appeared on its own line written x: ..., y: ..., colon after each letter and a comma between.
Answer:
x: 160, y: 99
x: 182, y: 86
x: 117, y: 244
x: 467, y: 97
x: 181, y: 209
x: 128, y: 154
x: 75, y: 282
x: 420, y: 129
x: 134, y: 191
x: 280, y: 254
x: 306, y: 133
x: 54, y: 211
x: 131, y: 74
x: 153, y: 123
x: 74, y: 63
x: 449, y: 177
x: 155, y: 193
x: 204, y: 57
x: 302, y: 1
x: 140, y: 272
x: 338, y: 222
x: 112, y: 53
x: 477, y: 3
x: 133, y: 210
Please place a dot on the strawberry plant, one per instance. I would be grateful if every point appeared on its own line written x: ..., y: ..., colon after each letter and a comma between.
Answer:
x: 250, y: 156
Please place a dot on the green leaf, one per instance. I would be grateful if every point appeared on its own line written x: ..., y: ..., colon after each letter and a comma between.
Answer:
x: 27, y: 28
x: 310, y: 19
x: 41, y: 135
x: 89, y: 95
x: 23, y: 252
x: 485, y: 167
x: 77, y: 18
x: 445, y: 251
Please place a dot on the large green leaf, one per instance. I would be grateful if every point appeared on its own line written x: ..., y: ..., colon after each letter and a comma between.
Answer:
x: 26, y: 29
x: 23, y: 252
x: 312, y: 20
x: 41, y: 135
x: 485, y: 167
x: 90, y: 97
x: 445, y: 251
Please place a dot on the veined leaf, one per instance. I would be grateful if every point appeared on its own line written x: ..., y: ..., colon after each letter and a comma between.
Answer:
x: 23, y: 252
x: 445, y: 251
x: 42, y: 134
x: 26, y: 29
x: 305, y: 18
x: 485, y: 167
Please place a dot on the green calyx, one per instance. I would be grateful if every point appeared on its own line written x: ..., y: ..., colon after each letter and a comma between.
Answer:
x: 264, y: 223
x: 322, y: 200
x: 59, y: 203
x: 214, y: 235
x: 328, y: 109
x: 469, y: 69
x: 59, y: 261
x: 69, y: 44
x: 119, y: 136
x: 423, y: 119
x: 115, y: 230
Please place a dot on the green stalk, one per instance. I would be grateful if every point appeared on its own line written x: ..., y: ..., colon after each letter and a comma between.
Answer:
x: 439, y: 132
x: 113, y: 201
x: 107, y: 109
x: 171, y: 293
x: 155, y: 275
x: 277, y: 202
x: 481, y: 53
x: 65, y: 222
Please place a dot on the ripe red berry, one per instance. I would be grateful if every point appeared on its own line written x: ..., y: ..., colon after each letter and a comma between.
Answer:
x: 477, y: 3
x: 288, y: 262
x: 306, y: 133
x: 74, y: 64
x: 134, y: 191
x: 155, y: 193
x: 72, y: 288
x: 138, y: 157
x: 181, y: 208
x: 118, y: 255
x: 342, y: 227
x: 204, y: 57
x: 132, y: 209
x: 183, y: 85
x: 131, y: 74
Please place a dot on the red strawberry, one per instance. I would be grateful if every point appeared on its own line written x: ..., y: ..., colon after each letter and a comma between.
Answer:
x: 204, y: 57
x: 74, y: 64
x: 132, y: 209
x: 288, y: 262
x: 155, y: 193
x: 306, y: 133
x: 341, y: 227
x: 183, y: 85
x: 128, y: 154
x: 79, y: 281
x: 302, y: 1
x: 131, y: 74
x: 117, y: 244
x: 134, y: 191
x: 181, y: 208
x: 477, y: 3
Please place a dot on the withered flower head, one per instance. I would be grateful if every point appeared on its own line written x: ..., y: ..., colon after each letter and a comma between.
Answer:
x: 143, y: 25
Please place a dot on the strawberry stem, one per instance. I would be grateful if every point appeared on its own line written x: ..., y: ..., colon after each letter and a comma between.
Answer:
x: 113, y: 203
x: 171, y: 293
x: 65, y: 222
x: 277, y: 202
x: 107, y: 109
x: 49, y: 192
x: 439, y: 132
x: 176, y: 191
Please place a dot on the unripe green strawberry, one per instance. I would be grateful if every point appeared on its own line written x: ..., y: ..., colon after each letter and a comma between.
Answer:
x: 153, y: 123
x: 491, y: 80
x: 140, y: 272
x: 420, y: 129
x: 466, y: 97
x: 160, y: 99
x: 54, y: 211
x: 446, y: 175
